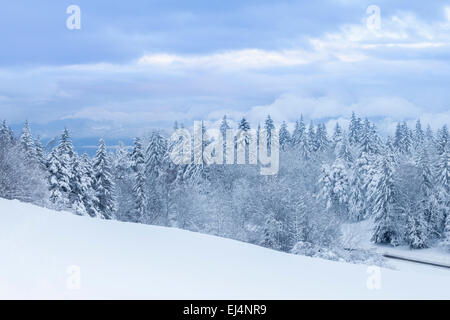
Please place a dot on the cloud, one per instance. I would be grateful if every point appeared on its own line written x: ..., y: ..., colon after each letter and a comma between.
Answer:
x: 403, y: 30
x: 385, y: 111
x: 231, y: 60
x: 291, y: 107
x: 398, y: 72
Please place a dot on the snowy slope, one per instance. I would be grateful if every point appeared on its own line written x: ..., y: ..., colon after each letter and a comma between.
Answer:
x: 124, y: 260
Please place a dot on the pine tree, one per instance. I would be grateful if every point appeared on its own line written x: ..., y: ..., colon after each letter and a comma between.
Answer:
x: 27, y: 143
x: 312, y: 142
x: 429, y: 137
x: 343, y: 151
x: 417, y: 233
x: 402, y: 139
x: 334, y: 188
x: 443, y: 169
x: 272, y: 230
x: 299, y: 132
x: 58, y: 181
x: 155, y: 156
x: 40, y: 154
x: 224, y: 126
x: 337, y: 135
x: 428, y: 202
x: 140, y: 198
x: 322, y: 142
x: 269, y: 127
x: 357, y: 191
x: 137, y: 155
x: 389, y: 145
x: 103, y: 183
x: 244, y: 125
x: 354, y: 130
x: 78, y: 188
x: 242, y: 139
x: 6, y: 134
x: 446, y: 236
x: 65, y: 146
x: 369, y: 142
x: 407, y: 138
x: 122, y: 162
x: 59, y: 166
x: 285, y: 137
x: 384, y: 197
x: 87, y: 182
x: 442, y: 140
x: 442, y: 191
x: 419, y: 136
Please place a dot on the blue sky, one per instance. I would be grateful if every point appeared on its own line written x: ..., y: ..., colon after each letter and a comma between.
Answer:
x: 138, y: 65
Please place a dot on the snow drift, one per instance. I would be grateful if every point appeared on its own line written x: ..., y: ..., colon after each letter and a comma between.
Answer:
x: 42, y: 251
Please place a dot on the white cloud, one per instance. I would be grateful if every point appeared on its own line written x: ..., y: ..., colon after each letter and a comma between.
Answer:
x: 447, y: 13
x: 385, y: 111
x: 108, y: 114
x: 403, y: 30
x: 353, y: 62
x: 291, y: 107
x: 238, y: 59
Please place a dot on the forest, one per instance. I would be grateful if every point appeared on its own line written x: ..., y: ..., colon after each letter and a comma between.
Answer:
x: 401, y: 182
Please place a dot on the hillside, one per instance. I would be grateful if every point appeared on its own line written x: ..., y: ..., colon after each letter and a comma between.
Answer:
x: 123, y: 260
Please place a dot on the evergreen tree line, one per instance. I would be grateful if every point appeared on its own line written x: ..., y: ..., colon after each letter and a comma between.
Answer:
x: 401, y: 182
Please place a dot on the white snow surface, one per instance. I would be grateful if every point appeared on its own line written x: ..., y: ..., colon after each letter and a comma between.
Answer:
x: 358, y: 236
x: 120, y: 260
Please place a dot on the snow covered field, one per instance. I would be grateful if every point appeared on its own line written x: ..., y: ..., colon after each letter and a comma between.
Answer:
x: 44, y: 254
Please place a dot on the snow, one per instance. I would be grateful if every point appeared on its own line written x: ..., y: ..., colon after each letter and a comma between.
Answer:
x: 358, y: 236
x: 120, y: 260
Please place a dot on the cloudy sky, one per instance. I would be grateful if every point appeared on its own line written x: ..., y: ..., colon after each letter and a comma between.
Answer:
x: 137, y: 65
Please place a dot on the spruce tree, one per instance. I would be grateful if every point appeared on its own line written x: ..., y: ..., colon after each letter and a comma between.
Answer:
x: 442, y: 142
x: 322, y: 142
x: 384, y: 197
x: 419, y: 135
x: 343, y: 151
x: 417, y: 233
x: 369, y: 141
x: 78, y: 188
x: 243, y: 125
x: 87, y: 178
x: 285, y: 137
x: 335, y: 187
x: 428, y: 208
x: 446, y: 236
x: 312, y: 142
x: 27, y: 143
x: 138, y: 166
x: 155, y: 156
x: 299, y: 132
x: 58, y: 181
x: 337, y: 135
x: 224, y: 126
x: 358, y: 203
x: 103, y: 183
x: 40, y: 154
x: 6, y: 134
x: 354, y: 130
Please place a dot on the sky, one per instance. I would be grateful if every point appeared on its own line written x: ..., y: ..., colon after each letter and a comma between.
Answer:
x: 138, y: 65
